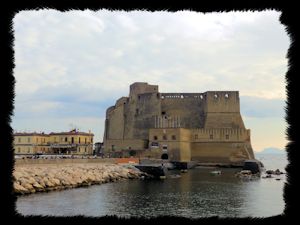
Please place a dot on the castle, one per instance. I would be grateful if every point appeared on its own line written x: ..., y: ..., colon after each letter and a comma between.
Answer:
x: 205, y: 127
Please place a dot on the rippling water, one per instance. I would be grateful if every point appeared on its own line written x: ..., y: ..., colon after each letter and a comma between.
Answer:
x: 195, y: 194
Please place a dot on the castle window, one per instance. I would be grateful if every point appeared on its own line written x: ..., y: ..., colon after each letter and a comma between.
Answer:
x: 165, y: 137
x: 173, y: 137
x: 227, y: 136
x: 155, y: 137
x: 196, y: 136
x: 66, y: 139
x: 226, y: 95
x: 211, y: 136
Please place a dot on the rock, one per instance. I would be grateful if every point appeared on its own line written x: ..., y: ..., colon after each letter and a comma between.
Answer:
x: 277, y: 172
x: 37, y: 186
x: 19, y: 189
x: 50, y: 177
x: 28, y: 186
x: 55, y: 181
x: 49, y: 183
x: 17, y: 175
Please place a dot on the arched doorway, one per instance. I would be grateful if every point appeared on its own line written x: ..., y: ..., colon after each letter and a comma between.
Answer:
x: 164, y: 156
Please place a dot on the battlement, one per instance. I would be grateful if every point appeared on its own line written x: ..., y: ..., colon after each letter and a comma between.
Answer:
x: 197, y: 126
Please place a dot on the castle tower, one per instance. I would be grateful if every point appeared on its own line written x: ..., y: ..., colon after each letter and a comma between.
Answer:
x: 190, y: 126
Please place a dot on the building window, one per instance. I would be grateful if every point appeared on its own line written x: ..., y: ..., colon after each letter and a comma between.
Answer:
x: 137, y: 111
x: 211, y: 136
x: 155, y: 137
x: 196, y: 136
x: 173, y: 137
x: 227, y: 136
x: 163, y: 113
x: 19, y: 140
x: 85, y: 140
x: 19, y: 150
x: 37, y: 140
x: 91, y: 140
x: 216, y: 96
x: 165, y: 137
x: 66, y: 139
x: 79, y: 140
x: 84, y: 149
x: 28, y: 151
x: 72, y: 140
x: 54, y: 139
x: 28, y: 140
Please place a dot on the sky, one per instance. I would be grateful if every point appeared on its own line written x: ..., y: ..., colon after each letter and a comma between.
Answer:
x: 71, y: 66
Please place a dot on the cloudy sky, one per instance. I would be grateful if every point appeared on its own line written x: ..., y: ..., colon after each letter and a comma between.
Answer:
x: 71, y: 66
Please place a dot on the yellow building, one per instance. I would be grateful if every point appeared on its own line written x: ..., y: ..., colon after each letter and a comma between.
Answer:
x: 72, y: 142
x: 202, y: 145
x: 31, y: 143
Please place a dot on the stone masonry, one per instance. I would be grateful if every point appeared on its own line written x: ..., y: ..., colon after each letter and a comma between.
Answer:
x: 204, y: 127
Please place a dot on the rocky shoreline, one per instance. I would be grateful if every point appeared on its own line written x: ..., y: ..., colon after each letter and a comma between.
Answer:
x: 43, y: 178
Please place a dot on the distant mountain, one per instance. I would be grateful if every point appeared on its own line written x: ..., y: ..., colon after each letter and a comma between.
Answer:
x: 272, y: 151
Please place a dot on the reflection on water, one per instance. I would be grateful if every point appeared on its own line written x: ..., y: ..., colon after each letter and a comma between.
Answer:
x: 195, y: 194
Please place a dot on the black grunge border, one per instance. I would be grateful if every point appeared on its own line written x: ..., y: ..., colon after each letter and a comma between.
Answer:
x: 7, y: 91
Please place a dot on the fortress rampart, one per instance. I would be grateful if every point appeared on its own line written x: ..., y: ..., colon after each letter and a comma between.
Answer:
x: 210, y: 122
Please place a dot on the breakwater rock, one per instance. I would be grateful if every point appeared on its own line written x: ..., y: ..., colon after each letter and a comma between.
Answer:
x: 40, y: 178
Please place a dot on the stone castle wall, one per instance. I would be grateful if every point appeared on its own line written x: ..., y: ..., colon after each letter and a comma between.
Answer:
x: 213, y: 112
